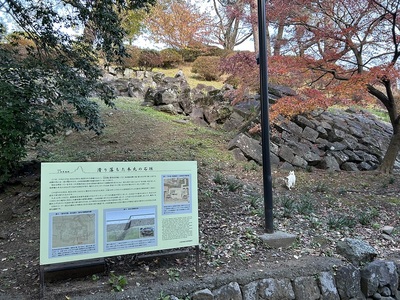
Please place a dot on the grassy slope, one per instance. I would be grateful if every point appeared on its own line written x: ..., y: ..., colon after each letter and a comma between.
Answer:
x: 136, y: 133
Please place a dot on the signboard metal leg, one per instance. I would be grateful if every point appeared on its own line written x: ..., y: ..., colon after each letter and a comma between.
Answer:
x: 42, y: 283
x: 197, y: 258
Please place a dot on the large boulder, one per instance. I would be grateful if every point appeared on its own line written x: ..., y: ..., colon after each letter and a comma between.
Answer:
x: 380, y: 277
x: 250, y: 147
x: 356, y: 251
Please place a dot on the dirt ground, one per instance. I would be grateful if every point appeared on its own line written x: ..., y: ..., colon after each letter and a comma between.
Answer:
x: 323, y: 208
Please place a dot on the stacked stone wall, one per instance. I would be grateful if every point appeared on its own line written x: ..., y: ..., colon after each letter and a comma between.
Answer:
x: 332, y: 140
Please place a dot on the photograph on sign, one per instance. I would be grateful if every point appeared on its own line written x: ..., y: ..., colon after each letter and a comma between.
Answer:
x: 130, y: 228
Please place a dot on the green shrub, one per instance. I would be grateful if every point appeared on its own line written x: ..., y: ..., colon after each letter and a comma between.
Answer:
x: 305, y: 205
x: 149, y: 59
x: 215, y: 51
x: 365, y: 217
x: 38, y: 101
x: 232, y: 80
x: 289, y: 207
x: 13, y: 134
x: 190, y: 54
x: 117, y: 283
x: 219, y: 178
x: 17, y: 123
x: 207, y: 67
x: 234, y: 185
x: 170, y: 58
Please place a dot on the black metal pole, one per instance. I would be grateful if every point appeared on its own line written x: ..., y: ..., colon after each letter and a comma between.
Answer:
x: 267, y: 179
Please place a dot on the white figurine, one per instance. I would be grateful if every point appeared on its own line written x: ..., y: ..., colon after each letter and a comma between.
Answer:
x: 291, y: 180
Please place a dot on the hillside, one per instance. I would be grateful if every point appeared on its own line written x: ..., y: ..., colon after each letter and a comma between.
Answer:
x: 323, y: 208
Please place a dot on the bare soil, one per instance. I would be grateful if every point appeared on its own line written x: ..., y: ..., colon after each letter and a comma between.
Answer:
x: 323, y: 208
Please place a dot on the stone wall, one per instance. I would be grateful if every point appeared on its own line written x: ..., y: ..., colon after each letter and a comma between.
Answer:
x: 333, y: 140
x: 306, y: 278
x: 377, y: 280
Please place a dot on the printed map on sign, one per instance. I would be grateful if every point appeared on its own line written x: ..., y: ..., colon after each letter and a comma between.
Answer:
x: 73, y: 230
x: 177, y: 194
x: 176, y: 190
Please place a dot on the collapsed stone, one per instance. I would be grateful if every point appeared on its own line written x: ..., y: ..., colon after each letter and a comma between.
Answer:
x: 332, y: 140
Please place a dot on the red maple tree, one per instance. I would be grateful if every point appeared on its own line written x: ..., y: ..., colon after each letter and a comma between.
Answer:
x: 336, y: 51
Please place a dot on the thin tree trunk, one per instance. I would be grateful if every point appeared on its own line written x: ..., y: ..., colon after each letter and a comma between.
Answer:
x: 279, y: 38
x: 392, y: 151
x: 253, y: 13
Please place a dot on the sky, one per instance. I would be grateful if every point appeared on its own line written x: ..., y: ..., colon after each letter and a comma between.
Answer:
x: 142, y: 42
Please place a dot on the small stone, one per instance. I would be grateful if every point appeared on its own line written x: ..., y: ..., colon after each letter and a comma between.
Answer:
x: 386, y: 237
x: 388, y: 229
x: 377, y: 296
x: 205, y: 294
x: 385, y: 291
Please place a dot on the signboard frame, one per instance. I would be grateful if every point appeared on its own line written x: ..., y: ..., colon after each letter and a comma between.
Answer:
x: 93, y: 210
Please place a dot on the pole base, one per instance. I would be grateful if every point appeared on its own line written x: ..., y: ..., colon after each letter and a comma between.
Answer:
x: 278, y: 239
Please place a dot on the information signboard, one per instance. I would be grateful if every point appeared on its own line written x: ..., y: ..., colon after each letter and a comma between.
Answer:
x: 99, y: 209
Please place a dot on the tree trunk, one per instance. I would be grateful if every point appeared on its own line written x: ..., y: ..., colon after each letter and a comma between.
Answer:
x: 392, y: 105
x: 392, y: 151
x: 254, y: 25
x: 279, y: 38
x: 254, y: 14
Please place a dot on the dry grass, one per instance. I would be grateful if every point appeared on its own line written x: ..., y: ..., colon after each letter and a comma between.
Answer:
x: 192, y: 78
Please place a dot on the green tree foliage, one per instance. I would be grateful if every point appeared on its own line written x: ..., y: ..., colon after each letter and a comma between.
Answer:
x: 190, y: 54
x: 47, y: 75
x: 132, y: 22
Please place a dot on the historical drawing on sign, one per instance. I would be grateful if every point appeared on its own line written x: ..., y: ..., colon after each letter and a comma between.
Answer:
x: 176, y: 194
x: 176, y: 190
x: 73, y: 229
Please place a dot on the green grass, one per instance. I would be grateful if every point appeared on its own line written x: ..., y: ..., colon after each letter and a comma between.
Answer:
x: 393, y: 200
x: 138, y: 133
x: 379, y: 113
x: 339, y: 222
